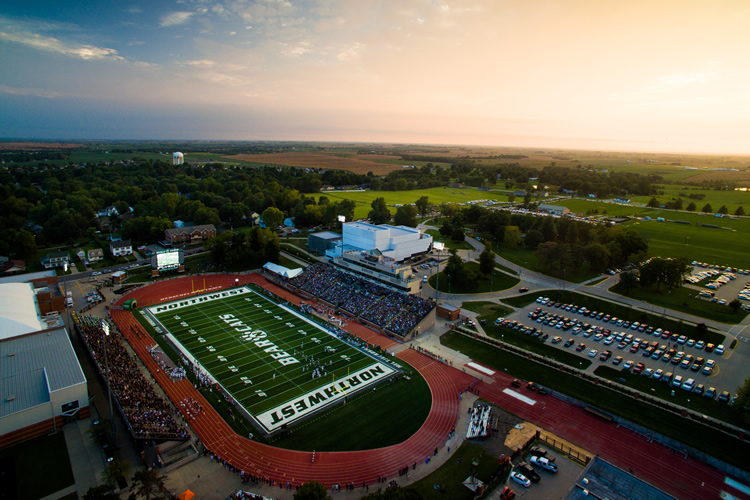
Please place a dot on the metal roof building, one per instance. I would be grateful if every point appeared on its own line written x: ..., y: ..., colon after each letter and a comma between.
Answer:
x: 41, y: 383
x: 19, y: 312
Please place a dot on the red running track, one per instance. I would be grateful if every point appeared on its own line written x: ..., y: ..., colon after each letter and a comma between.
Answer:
x: 285, y: 465
x: 651, y: 462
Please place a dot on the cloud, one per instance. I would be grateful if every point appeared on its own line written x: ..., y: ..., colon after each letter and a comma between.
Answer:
x: 350, y: 53
x: 668, y: 83
x: 51, y: 44
x: 175, y: 18
x: 48, y: 94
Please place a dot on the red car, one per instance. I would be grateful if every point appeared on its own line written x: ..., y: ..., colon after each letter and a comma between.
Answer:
x: 637, y: 369
x: 580, y: 347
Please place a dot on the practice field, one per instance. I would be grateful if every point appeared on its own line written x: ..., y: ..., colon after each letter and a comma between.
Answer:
x: 279, y: 366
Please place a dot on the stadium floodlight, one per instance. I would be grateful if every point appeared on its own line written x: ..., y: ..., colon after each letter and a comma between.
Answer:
x: 105, y: 327
x: 342, y: 218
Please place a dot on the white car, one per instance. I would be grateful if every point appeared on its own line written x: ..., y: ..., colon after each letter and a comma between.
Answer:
x: 593, y: 353
x: 520, y: 479
x: 719, y: 349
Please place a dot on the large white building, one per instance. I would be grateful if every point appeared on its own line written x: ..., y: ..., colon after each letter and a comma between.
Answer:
x: 378, y: 253
x: 397, y: 243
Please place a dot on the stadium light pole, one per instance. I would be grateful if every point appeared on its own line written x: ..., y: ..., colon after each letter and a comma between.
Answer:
x: 105, y: 334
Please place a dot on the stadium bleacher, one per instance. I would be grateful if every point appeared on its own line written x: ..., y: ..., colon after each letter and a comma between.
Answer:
x: 395, y: 311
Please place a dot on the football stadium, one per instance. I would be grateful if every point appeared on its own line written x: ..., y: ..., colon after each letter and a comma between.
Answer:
x: 278, y: 366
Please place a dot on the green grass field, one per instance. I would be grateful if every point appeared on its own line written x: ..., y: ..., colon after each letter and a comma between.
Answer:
x: 276, y: 364
x: 437, y: 195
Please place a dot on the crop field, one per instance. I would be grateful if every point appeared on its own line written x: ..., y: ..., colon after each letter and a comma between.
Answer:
x: 277, y: 365
x: 354, y: 163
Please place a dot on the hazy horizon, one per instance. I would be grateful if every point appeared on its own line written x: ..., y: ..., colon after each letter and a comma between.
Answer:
x: 667, y: 76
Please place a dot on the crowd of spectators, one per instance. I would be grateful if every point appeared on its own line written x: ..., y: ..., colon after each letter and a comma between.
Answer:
x: 386, y: 308
x: 147, y: 415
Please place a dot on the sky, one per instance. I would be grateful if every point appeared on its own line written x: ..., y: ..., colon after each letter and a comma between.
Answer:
x: 655, y: 75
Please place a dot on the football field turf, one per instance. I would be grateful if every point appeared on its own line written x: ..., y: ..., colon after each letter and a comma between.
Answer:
x: 275, y: 363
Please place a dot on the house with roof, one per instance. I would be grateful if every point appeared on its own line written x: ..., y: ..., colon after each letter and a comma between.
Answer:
x: 190, y: 234
x: 55, y: 259
x: 97, y: 254
x: 121, y: 247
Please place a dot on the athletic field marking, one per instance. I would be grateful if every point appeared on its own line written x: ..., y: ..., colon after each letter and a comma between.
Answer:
x: 519, y: 396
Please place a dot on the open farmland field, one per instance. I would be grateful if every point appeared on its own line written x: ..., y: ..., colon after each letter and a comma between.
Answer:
x: 714, y: 246
x: 437, y: 195
x: 732, y: 199
x: 277, y: 365
x: 353, y: 163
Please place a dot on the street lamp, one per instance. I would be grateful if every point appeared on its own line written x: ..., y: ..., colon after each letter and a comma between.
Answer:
x: 688, y: 403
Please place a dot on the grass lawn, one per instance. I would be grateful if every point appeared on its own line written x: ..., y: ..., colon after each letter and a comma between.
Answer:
x: 684, y: 299
x: 625, y: 312
x: 693, y: 241
x: 24, y: 465
x: 527, y: 259
x: 499, y: 281
x: 449, y: 243
x: 483, y: 308
x: 391, y: 414
x: 713, y: 442
x: 451, y: 475
x: 664, y: 391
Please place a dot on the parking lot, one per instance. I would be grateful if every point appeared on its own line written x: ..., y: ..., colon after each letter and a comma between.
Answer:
x: 603, y: 339
x: 550, y: 485
x: 720, y: 284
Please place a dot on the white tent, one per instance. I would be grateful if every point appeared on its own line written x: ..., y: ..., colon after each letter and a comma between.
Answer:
x: 281, y: 270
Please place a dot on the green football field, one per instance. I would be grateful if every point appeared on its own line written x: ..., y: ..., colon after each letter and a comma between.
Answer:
x: 275, y: 363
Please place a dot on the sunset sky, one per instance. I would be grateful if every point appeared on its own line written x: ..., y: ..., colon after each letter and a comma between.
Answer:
x: 655, y: 75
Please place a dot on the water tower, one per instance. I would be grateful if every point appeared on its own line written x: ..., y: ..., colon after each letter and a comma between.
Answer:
x: 178, y: 159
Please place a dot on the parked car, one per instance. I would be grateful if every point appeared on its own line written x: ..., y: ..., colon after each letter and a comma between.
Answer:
x: 529, y: 472
x: 710, y: 393
x: 719, y: 349
x: 544, y: 463
x: 538, y: 451
x: 520, y: 479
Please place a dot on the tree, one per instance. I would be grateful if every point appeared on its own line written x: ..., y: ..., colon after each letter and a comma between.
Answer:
x: 533, y: 239
x: 149, y: 484
x: 512, y: 236
x: 670, y: 272
x: 691, y: 207
x: 527, y: 198
x: 597, y: 256
x: 723, y: 209
x: 707, y: 208
x: 628, y: 280
x: 394, y: 492
x: 114, y: 471
x: 739, y: 211
x: 743, y: 400
x: 653, y: 203
x: 406, y: 216
x: 487, y: 261
x: 458, y: 234
x: 102, y: 492
x: 735, y: 305
x: 311, y: 490
x: 423, y: 205
x: 379, y: 213
x: 272, y: 218
x: 548, y: 229
x: 446, y: 229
